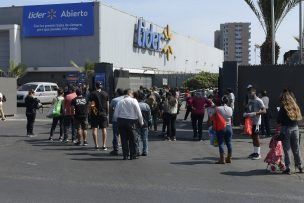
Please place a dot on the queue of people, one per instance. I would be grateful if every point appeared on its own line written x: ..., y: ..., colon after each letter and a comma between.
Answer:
x: 135, y: 113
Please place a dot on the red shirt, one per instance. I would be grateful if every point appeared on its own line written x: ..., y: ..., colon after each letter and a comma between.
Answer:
x: 199, y: 104
x: 68, y: 108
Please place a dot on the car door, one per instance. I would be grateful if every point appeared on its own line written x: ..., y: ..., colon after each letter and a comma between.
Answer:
x: 48, y: 94
x: 40, y: 93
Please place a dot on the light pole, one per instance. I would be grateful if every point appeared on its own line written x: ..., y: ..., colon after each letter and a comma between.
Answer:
x: 300, y: 32
x: 256, y: 46
x: 272, y: 32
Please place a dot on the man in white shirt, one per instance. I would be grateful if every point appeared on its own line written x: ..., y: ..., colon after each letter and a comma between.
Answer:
x: 256, y: 108
x: 128, y: 115
x: 265, y: 126
x: 1, y: 107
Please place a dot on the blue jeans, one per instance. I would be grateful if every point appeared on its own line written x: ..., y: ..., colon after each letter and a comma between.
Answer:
x: 143, y: 134
x: 115, y: 135
x: 225, y: 136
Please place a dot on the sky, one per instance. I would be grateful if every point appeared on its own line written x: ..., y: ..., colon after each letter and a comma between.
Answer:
x: 197, y: 18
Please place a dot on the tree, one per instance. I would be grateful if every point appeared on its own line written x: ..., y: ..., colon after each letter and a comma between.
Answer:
x: 88, y: 68
x: 262, y: 10
x: 202, y: 80
x: 18, y: 70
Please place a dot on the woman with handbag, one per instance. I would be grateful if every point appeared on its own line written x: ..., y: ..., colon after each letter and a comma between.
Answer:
x: 289, y: 115
x: 221, y: 118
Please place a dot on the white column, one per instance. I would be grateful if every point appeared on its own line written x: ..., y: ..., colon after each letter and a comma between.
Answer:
x: 15, y: 44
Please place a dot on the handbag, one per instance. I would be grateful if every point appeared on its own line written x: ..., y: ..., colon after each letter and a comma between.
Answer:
x: 248, y: 126
x: 219, y: 123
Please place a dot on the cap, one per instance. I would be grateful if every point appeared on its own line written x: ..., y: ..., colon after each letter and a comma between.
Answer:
x: 98, y: 84
x: 249, y: 86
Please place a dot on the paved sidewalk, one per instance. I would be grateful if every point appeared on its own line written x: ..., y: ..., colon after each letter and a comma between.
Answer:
x: 36, y: 170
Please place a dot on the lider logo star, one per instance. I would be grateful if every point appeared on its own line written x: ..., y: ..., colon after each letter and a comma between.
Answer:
x: 51, y: 14
x: 168, y: 50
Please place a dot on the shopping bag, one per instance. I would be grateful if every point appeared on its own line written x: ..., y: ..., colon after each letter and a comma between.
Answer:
x: 218, y: 121
x: 50, y: 112
x: 213, y: 138
x: 248, y: 126
x: 57, y: 108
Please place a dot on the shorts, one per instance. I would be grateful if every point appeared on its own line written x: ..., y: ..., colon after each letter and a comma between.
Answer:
x: 99, y: 121
x: 256, y: 129
x: 81, y: 123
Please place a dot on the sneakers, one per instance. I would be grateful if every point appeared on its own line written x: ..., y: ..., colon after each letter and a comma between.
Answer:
x: 60, y: 139
x: 256, y: 156
x: 77, y: 143
x: 104, y: 148
x: 3, y: 119
x: 144, y: 154
x: 287, y: 171
x: 85, y: 143
x: 50, y: 139
x: 251, y: 155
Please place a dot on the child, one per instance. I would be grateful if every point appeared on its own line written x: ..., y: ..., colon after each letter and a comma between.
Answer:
x: 275, y: 154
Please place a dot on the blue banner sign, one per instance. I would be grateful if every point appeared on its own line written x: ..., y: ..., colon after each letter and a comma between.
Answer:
x: 75, y: 19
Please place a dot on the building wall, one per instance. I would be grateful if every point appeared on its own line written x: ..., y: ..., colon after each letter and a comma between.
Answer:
x: 8, y: 87
x: 117, y: 35
x: 54, y: 51
x: 112, y: 43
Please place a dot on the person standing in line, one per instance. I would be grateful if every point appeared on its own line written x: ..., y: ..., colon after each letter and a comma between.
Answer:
x: 288, y: 118
x: 31, y: 104
x: 171, y: 106
x: 59, y: 118
x: 199, y: 103
x: 114, y: 102
x: 231, y: 98
x: 189, y: 99
x: 265, y: 126
x: 99, y: 103
x: 2, y: 100
x: 224, y: 136
x: 69, y: 113
x: 143, y: 131
x: 128, y: 115
x: 153, y: 100
x: 81, y: 114
x: 255, y: 109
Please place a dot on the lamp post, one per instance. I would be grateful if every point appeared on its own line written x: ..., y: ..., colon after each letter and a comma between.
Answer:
x: 272, y: 32
x: 300, y: 32
x: 256, y: 46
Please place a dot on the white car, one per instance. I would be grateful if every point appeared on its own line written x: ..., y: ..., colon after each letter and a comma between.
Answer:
x: 44, y: 91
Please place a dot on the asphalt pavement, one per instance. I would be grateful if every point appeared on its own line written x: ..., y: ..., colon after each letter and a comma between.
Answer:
x: 37, y: 170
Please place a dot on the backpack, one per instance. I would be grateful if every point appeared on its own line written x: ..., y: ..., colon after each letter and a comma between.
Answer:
x: 219, y: 123
x: 57, y: 108
x: 152, y: 102
x: 172, y: 101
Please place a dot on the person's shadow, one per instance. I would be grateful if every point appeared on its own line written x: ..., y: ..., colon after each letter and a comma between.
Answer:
x: 196, y: 161
x: 256, y: 172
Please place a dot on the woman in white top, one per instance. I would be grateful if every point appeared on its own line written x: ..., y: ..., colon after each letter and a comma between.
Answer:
x: 224, y: 136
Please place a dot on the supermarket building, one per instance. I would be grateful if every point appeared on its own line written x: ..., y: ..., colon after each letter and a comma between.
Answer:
x: 47, y: 37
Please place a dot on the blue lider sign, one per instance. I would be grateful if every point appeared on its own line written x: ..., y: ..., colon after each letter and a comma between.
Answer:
x: 76, y: 19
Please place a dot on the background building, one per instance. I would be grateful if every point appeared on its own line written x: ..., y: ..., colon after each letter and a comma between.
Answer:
x: 45, y: 38
x: 234, y: 40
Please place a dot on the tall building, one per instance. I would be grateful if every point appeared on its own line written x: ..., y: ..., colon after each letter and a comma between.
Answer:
x: 234, y: 40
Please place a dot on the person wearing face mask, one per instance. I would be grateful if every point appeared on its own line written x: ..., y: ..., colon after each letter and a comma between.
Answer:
x: 255, y: 109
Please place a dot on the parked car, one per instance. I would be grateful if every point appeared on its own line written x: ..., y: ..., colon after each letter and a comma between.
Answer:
x: 44, y: 91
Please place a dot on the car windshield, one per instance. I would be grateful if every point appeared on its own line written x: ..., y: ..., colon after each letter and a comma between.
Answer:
x: 27, y: 87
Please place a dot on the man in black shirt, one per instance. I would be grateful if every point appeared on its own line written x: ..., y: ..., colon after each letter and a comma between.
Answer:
x: 81, y: 114
x: 99, y: 110
x: 32, y: 104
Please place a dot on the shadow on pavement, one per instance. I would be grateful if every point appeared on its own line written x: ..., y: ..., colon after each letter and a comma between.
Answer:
x: 196, y: 161
x: 257, y: 172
